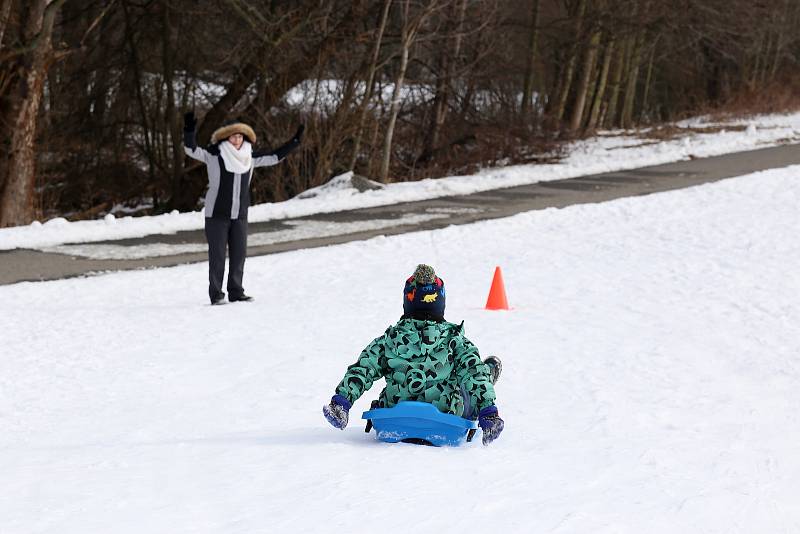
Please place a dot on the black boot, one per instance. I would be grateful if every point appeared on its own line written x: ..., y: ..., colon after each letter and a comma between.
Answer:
x: 495, y: 367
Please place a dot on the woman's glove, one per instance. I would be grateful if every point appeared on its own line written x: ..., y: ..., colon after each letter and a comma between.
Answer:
x: 336, y: 412
x: 298, y: 135
x: 189, y: 122
x: 290, y: 145
x: 490, y: 423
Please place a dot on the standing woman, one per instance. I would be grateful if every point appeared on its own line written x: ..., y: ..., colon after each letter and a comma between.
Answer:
x: 229, y: 160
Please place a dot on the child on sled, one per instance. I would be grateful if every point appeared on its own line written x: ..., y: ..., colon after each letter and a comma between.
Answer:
x: 424, y: 358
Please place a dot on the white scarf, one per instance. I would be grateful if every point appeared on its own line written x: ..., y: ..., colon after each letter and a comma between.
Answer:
x: 237, y: 161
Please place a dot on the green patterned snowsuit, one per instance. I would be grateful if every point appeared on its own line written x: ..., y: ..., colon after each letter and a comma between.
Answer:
x: 422, y: 361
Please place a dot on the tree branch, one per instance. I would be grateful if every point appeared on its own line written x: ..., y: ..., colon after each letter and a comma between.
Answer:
x: 47, y: 20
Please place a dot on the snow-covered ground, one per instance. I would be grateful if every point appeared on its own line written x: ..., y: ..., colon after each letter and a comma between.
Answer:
x: 650, y: 383
x: 610, y: 151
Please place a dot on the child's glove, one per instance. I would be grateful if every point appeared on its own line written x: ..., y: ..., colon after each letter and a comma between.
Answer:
x: 336, y: 412
x: 490, y: 423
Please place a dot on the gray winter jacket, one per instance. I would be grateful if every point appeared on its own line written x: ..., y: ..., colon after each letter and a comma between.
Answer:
x: 228, y: 195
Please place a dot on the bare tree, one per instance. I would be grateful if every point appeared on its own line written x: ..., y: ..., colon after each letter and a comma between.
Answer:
x: 565, y: 80
x: 616, y: 82
x: 5, y: 11
x: 450, y: 53
x: 600, y: 91
x: 587, y: 74
x: 30, y: 60
x: 91, y: 93
x: 369, y: 82
x: 530, y: 65
x: 412, y: 16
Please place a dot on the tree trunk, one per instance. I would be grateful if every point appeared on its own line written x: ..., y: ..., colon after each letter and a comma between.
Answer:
x: 569, y: 73
x: 408, y: 32
x: 394, y: 110
x: 339, y: 127
x: 17, y: 199
x: 173, y: 127
x: 583, y: 85
x: 779, y: 40
x: 136, y: 67
x: 616, y: 82
x: 374, y: 136
x: 752, y: 80
x: 530, y: 67
x: 443, y: 81
x: 631, y: 82
x: 647, y: 81
x: 369, y: 85
x: 599, y: 93
x: 5, y: 11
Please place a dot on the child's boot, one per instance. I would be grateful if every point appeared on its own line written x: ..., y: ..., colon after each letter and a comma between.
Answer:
x: 495, y: 367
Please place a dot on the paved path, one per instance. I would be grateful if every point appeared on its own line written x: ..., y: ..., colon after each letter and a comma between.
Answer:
x: 290, y: 234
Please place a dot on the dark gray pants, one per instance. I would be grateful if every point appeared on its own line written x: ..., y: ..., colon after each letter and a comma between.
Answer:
x: 222, y: 234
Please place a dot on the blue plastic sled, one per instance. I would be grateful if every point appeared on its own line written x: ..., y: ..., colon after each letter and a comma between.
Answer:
x: 420, y: 423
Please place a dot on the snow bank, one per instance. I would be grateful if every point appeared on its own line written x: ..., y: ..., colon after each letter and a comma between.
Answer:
x: 650, y: 382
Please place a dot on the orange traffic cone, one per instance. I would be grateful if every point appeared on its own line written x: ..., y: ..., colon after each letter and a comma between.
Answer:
x: 497, y: 294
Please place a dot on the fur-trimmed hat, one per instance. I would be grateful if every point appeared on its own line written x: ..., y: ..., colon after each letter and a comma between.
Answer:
x: 220, y: 134
x: 423, y: 294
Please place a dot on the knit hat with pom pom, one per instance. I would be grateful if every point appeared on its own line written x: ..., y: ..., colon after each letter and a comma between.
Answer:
x: 423, y: 294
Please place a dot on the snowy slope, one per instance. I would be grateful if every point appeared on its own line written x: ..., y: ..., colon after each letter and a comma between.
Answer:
x: 650, y: 384
x: 609, y: 151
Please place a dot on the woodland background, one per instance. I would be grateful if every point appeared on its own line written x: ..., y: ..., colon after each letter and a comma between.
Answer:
x: 92, y: 92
